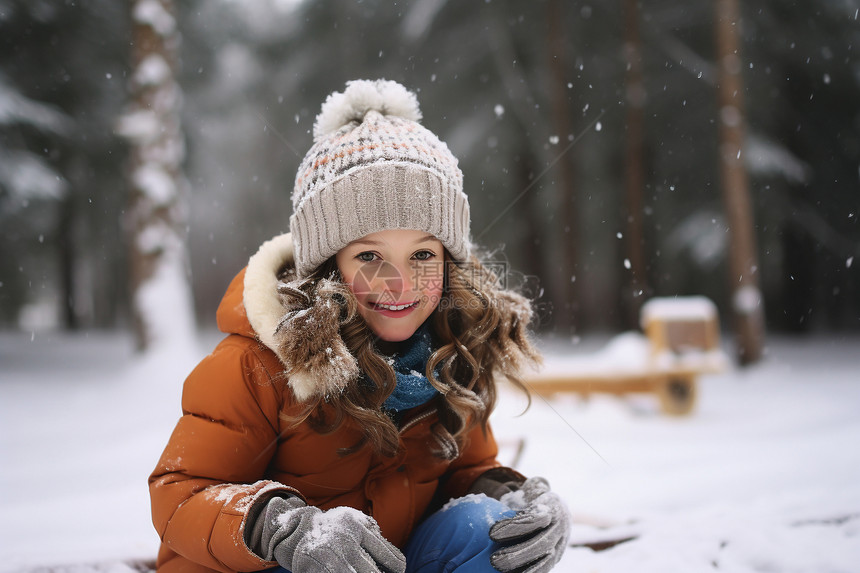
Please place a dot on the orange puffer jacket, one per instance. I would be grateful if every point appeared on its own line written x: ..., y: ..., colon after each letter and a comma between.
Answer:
x: 231, y: 449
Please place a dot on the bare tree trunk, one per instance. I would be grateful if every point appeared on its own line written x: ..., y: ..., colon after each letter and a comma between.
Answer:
x: 566, y: 285
x: 67, y: 263
x: 636, y: 288
x: 531, y: 251
x: 155, y: 226
x: 747, y: 306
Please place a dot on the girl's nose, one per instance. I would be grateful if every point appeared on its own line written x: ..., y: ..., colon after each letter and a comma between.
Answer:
x: 388, y: 281
x: 395, y: 280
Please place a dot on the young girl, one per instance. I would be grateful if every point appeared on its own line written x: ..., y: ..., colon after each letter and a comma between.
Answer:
x: 342, y: 425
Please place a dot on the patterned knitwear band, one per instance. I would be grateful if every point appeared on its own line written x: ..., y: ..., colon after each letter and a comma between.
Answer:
x: 374, y: 167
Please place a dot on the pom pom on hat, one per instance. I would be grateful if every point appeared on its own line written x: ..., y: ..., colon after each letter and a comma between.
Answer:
x: 361, y: 96
x: 374, y: 167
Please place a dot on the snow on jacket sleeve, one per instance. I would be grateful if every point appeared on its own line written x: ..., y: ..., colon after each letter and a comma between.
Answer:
x: 210, y: 472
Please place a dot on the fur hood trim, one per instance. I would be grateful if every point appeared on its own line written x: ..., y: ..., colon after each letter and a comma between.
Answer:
x: 304, y: 335
x: 262, y: 304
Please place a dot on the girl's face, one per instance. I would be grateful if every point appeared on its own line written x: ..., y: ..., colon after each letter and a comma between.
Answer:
x: 397, y: 277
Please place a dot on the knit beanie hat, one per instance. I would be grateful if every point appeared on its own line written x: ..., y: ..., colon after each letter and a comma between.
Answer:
x: 373, y: 167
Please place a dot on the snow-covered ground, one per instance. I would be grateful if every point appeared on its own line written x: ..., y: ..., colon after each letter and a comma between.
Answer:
x: 764, y: 476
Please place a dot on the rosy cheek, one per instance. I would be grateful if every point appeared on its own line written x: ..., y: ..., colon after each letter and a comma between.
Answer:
x: 433, y: 295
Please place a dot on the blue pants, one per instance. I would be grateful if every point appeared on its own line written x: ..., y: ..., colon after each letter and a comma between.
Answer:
x: 456, y: 538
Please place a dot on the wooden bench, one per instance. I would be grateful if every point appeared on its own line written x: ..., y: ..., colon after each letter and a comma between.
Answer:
x: 680, y: 340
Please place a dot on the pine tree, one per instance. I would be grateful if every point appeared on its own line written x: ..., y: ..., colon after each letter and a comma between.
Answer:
x: 161, y: 304
x: 747, y: 306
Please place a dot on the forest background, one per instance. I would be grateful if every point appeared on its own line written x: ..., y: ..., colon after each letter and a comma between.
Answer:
x: 555, y: 109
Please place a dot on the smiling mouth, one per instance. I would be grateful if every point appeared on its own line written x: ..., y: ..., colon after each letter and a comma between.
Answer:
x: 383, y: 306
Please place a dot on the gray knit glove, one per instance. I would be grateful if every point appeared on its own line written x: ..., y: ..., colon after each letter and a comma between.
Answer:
x: 536, y: 536
x: 306, y: 539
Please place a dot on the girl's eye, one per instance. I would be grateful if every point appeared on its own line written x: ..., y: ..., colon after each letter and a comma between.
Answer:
x: 365, y: 257
x: 424, y: 255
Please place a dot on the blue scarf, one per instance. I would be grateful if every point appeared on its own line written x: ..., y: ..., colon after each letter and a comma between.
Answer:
x: 410, y: 363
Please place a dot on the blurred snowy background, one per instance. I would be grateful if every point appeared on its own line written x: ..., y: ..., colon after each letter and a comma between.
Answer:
x: 602, y: 182
x: 148, y: 147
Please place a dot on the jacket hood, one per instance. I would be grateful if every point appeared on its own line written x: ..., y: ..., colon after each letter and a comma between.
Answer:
x: 305, y: 336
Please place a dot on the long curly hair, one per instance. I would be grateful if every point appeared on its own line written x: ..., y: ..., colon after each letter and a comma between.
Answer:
x: 482, y: 334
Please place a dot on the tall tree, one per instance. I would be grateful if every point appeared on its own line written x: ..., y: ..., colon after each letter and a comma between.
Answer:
x: 746, y: 300
x: 636, y: 289
x: 567, y: 287
x: 28, y: 182
x: 161, y: 302
x: 60, y: 251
